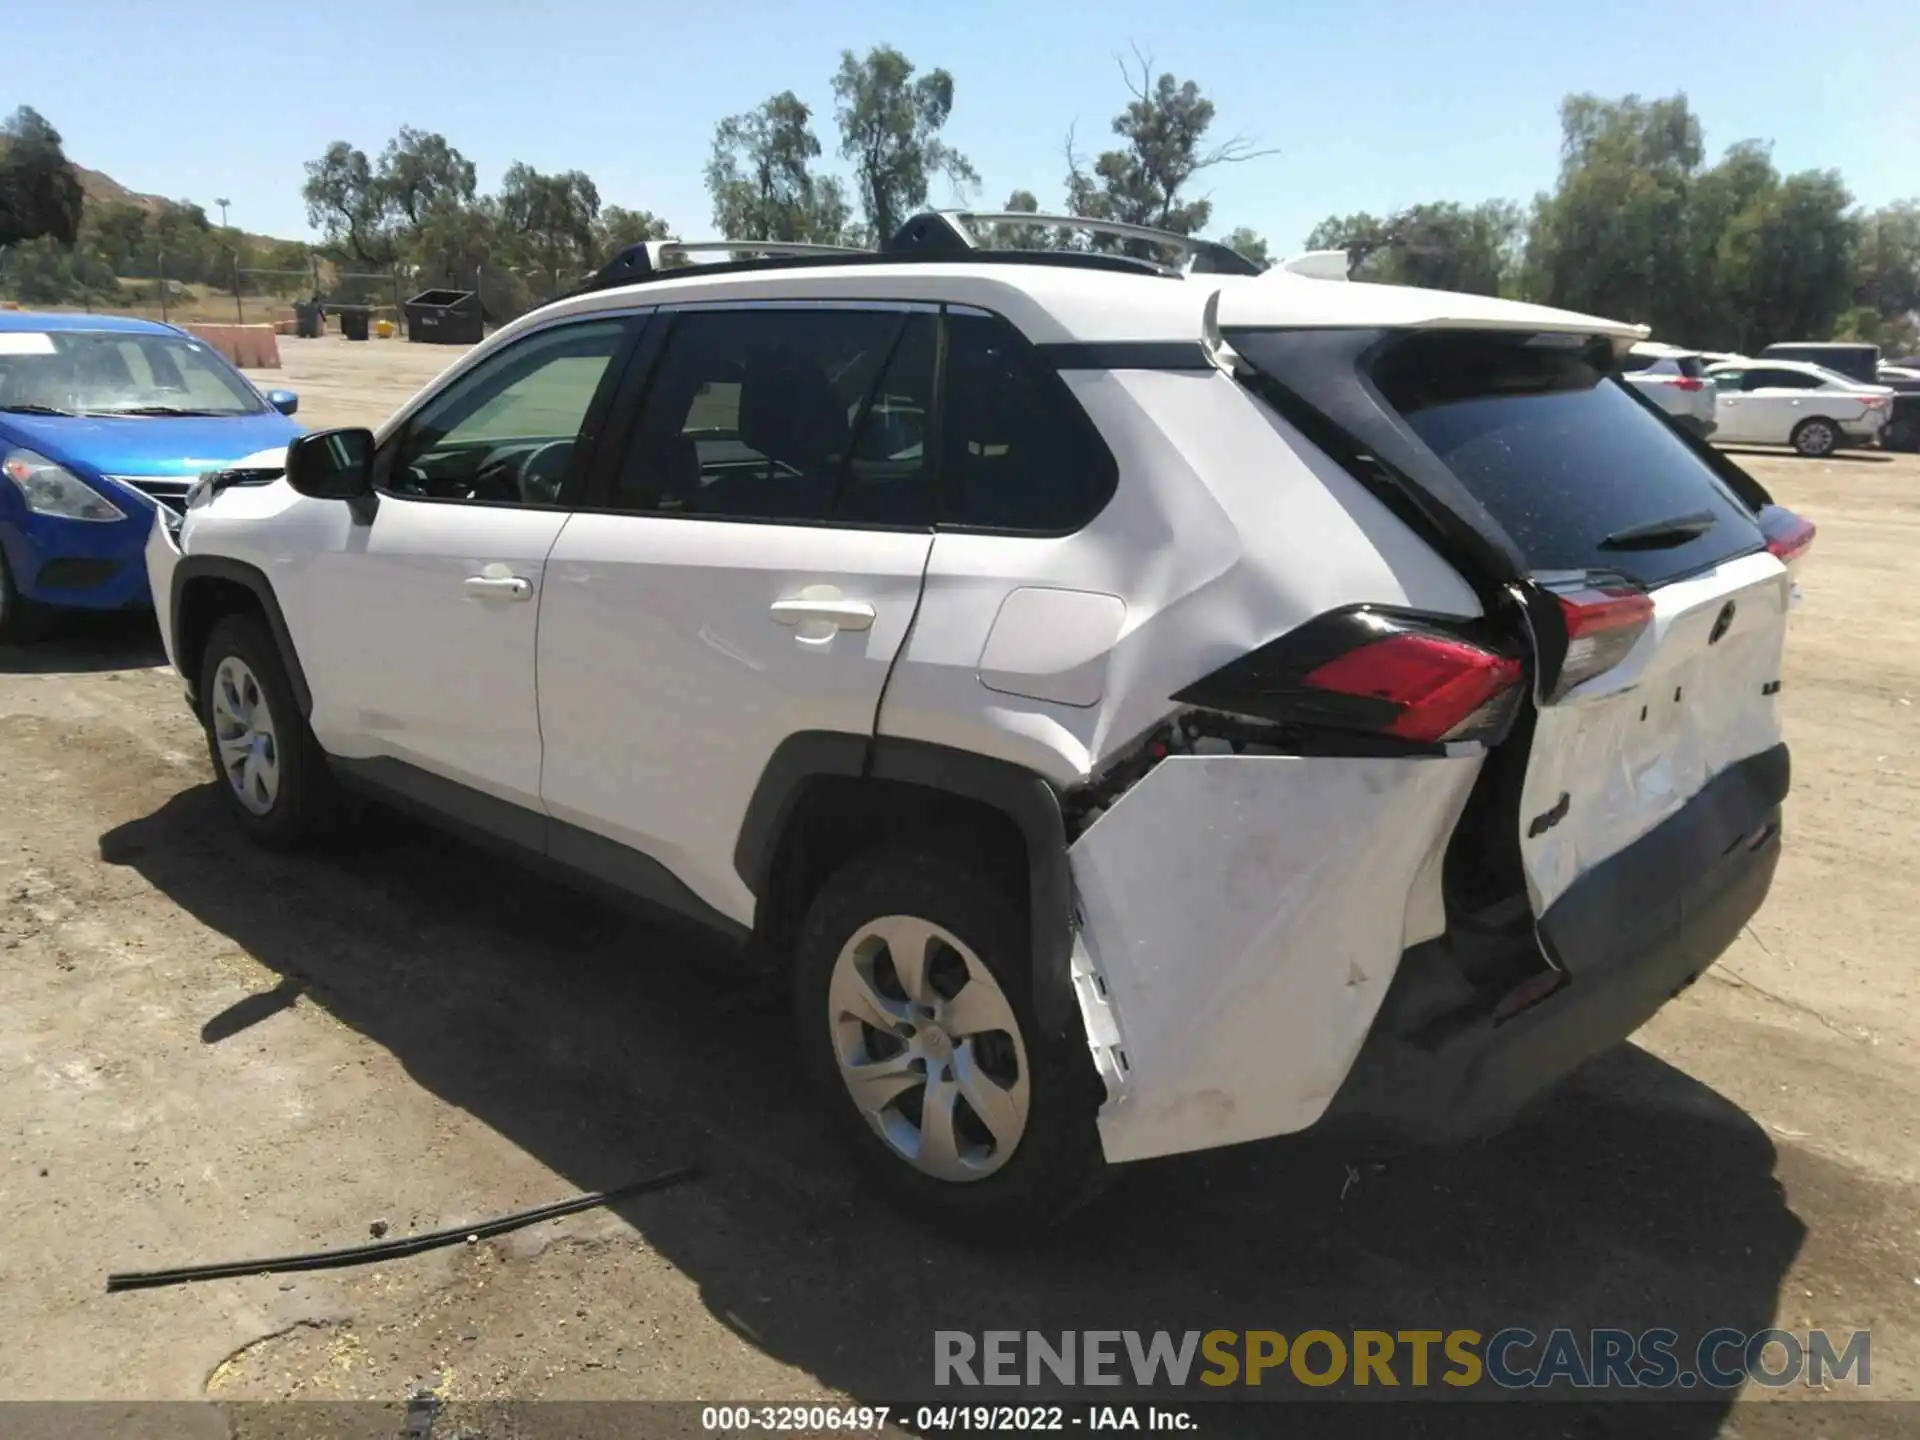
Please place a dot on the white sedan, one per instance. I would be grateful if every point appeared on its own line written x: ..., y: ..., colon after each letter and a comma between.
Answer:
x: 1787, y: 402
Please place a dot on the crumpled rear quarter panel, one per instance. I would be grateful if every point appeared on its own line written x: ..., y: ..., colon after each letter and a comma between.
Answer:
x: 1244, y: 916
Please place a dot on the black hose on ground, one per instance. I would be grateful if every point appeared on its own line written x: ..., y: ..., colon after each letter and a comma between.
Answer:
x: 393, y: 1249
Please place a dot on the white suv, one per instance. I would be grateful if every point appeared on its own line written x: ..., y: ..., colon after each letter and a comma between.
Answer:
x: 1137, y: 708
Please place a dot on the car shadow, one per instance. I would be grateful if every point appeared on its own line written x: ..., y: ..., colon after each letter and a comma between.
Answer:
x: 1633, y: 1198
x: 74, y: 642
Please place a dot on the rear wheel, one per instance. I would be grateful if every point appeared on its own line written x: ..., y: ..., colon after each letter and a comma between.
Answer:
x: 270, y: 769
x: 911, y: 1002
x: 1816, y: 438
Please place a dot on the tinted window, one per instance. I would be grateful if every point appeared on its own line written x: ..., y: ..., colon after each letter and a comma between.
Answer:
x: 1780, y: 380
x: 1559, y: 453
x: 1017, y: 453
x: 780, y: 414
x: 504, y: 432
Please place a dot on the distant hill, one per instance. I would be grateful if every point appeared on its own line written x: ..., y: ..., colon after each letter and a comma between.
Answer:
x: 100, y: 188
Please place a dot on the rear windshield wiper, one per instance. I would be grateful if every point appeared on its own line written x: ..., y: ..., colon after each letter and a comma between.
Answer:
x: 163, y: 410
x: 32, y: 409
x: 1662, y: 534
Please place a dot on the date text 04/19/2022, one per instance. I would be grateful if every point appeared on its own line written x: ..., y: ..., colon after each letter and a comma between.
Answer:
x: 941, y: 1419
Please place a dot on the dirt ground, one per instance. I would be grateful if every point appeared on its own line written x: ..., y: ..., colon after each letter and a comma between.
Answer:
x: 208, y: 1053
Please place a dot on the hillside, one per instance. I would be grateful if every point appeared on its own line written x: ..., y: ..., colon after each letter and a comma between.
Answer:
x: 100, y: 188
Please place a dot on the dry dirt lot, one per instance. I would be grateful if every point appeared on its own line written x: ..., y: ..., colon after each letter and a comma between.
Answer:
x: 211, y: 1053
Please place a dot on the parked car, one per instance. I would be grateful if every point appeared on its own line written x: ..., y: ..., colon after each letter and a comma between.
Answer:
x: 1903, y: 430
x: 103, y: 421
x: 1857, y: 361
x: 1811, y: 408
x: 1217, y: 706
x: 1675, y: 380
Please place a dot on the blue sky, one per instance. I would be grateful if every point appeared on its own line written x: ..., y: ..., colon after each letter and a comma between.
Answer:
x: 1370, y: 105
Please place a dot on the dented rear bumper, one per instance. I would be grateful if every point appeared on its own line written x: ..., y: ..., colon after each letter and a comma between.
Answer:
x: 1629, y: 935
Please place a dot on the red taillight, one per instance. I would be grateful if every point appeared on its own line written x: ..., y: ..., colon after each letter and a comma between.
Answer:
x: 1439, y: 684
x: 1789, y: 536
x: 1689, y: 384
x: 1603, y: 623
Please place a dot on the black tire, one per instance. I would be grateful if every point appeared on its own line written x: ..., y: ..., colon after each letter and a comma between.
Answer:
x: 1816, y: 437
x: 20, y: 619
x: 1056, y: 1166
x: 1902, y: 435
x: 305, y: 803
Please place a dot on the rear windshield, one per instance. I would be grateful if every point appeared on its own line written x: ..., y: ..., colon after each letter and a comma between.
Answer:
x: 1691, y: 366
x: 1560, y: 453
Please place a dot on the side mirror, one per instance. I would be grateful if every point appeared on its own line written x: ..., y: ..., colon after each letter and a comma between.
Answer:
x: 332, y: 464
x: 285, y: 401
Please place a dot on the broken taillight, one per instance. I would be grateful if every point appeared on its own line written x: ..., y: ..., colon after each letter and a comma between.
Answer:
x: 1789, y: 536
x: 1437, y: 685
x: 1394, y: 675
x: 1604, y: 620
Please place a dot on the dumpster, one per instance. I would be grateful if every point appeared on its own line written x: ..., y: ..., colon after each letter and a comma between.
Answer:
x: 355, y: 320
x: 306, y: 320
x: 445, y: 317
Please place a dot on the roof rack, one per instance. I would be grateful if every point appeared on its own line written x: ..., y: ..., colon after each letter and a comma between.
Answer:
x: 953, y: 232
x: 933, y: 235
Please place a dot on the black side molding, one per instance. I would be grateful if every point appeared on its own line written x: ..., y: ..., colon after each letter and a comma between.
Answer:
x: 573, y: 854
x: 218, y: 567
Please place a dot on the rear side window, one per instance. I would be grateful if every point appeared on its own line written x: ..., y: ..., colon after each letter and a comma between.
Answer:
x: 1780, y: 380
x: 1017, y: 453
x: 1573, y: 467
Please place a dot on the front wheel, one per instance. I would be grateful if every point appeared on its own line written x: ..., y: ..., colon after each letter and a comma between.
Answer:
x: 911, y: 1002
x: 1816, y: 438
x: 270, y: 769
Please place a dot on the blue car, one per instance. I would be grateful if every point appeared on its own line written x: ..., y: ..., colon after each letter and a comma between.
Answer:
x: 103, y: 420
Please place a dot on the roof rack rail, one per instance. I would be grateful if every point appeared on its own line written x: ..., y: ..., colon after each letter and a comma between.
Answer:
x: 648, y: 258
x: 950, y: 232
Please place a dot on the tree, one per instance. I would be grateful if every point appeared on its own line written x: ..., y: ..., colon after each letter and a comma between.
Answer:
x: 1016, y: 236
x: 1253, y: 246
x: 1613, y: 239
x: 1165, y: 128
x: 619, y: 227
x: 760, y: 178
x: 39, y: 193
x: 376, y: 214
x: 890, y: 127
x: 1441, y: 246
x: 557, y: 215
x: 1886, y: 278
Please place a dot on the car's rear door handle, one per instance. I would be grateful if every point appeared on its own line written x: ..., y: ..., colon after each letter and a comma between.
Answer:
x: 499, y: 587
x: 841, y: 614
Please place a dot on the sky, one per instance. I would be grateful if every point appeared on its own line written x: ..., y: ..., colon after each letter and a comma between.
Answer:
x: 1366, y: 106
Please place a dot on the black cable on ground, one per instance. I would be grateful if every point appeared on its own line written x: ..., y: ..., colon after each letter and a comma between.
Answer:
x: 393, y: 1249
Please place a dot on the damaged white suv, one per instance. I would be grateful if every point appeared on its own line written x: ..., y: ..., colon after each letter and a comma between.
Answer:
x: 1139, y: 707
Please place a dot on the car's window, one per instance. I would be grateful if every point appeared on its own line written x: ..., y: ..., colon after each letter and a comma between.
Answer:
x: 796, y: 414
x: 97, y: 372
x: 504, y: 432
x: 1559, y: 454
x: 1727, y: 379
x: 1781, y: 380
x: 1691, y: 366
x: 1017, y: 453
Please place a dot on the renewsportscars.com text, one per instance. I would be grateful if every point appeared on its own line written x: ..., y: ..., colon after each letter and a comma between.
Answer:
x: 1509, y: 1359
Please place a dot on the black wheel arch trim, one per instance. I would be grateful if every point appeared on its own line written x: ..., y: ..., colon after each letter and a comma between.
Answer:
x: 220, y: 567
x: 1024, y: 797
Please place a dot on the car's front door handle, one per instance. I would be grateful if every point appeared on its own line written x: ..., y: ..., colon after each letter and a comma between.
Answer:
x: 499, y: 587
x: 841, y: 614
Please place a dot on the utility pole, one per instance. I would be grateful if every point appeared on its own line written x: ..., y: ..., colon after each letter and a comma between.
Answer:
x: 223, y: 211
x: 163, y: 286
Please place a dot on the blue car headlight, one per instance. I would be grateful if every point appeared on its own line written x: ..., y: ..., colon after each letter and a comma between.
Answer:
x: 51, y: 489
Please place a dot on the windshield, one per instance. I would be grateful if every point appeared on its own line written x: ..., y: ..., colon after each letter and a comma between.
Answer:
x: 94, y: 372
